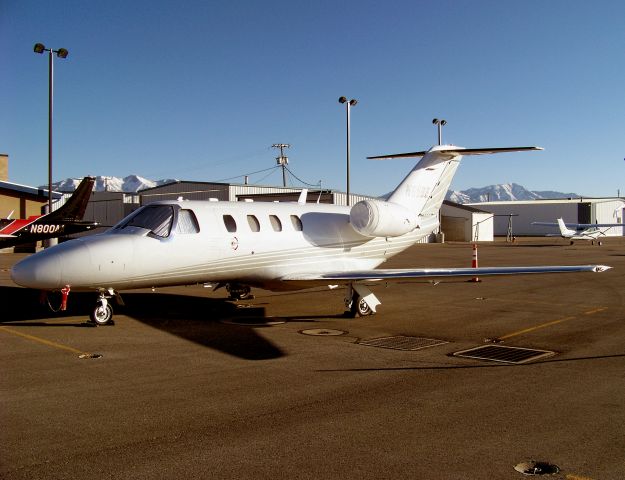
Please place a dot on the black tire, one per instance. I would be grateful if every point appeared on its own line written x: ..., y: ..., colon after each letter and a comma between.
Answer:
x: 360, y: 308
x: 102, y: 315
x: 239, y: 292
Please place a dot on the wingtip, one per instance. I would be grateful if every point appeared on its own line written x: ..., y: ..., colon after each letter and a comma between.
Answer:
x: 601, y: 268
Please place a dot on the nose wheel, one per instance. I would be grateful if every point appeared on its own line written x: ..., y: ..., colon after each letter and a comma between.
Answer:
x: 102, y: 314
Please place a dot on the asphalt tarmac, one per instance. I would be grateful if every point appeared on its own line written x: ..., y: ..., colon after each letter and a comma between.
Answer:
x: 189, y: 385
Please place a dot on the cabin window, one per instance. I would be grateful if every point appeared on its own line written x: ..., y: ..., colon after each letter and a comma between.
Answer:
x: 297, y: 223
x: 230, y: 224
x: 253, y: 222
x: 157, y: 219
x: 276, y: 224
x: 187, y: 222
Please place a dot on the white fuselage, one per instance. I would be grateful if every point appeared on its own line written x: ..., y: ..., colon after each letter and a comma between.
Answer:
x: 269, y: 242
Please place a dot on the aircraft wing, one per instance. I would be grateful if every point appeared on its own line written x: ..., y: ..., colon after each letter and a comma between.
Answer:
x: 405, y: 273
x: 580, y: 225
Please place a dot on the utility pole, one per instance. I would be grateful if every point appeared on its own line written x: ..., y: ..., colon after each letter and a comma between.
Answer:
x: 282, y: 160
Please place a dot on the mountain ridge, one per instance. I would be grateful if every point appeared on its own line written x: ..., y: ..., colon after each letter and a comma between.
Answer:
x: 498, y: 192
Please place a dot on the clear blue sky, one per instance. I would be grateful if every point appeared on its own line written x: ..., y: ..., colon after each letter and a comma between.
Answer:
x: 200, y: 89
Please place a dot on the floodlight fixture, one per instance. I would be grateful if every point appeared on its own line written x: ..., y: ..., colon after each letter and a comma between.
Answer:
x: 439, y: 123
x: 61, y: 53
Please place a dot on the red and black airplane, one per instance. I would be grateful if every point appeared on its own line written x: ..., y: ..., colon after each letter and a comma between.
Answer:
x: 65, y: 220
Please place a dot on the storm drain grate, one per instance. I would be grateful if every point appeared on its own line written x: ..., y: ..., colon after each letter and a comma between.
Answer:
x: 504, y: 354
x: 400, y: 342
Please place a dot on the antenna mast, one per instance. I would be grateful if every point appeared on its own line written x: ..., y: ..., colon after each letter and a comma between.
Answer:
x: 282, y: 160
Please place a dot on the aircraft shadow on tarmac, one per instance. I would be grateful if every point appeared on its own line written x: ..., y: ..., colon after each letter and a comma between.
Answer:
x: 197, y: 319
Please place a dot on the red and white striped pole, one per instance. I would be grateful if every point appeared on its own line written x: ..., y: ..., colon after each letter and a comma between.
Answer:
x: 474, y: 263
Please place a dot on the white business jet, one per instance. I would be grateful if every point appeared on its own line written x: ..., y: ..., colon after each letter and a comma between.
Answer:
x: 275, y: 246
x: 583, y: 231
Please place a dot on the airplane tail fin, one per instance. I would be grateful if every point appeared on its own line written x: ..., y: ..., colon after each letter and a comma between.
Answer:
x: 74, y: 208
x: 424, y: 188
x: 564, y: 231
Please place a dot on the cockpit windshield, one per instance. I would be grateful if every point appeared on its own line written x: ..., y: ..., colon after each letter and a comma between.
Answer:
x: 156, y: 219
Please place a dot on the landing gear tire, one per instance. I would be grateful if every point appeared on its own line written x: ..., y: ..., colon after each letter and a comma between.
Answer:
x: 239, y: 292
x: 359, y: 308
x: 102, y: 314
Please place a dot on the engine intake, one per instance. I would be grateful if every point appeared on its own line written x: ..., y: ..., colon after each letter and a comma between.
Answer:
x: 377, y: 218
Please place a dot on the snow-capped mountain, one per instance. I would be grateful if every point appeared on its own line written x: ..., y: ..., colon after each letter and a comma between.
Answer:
x: 505, y: 191
x: 129, y: 184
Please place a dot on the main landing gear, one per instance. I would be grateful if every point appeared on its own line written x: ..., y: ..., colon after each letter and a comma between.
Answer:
x: 238, y: 291
x: 359, y: 301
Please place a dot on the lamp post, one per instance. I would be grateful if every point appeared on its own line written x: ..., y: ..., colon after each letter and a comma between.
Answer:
x: 348, y: 104
x: 61, y: 53
x: 440, y: 124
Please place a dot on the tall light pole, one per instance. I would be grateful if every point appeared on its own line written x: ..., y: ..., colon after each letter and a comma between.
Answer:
x: 440, y: 124
x: 61, y: 53
x: 348, y: 104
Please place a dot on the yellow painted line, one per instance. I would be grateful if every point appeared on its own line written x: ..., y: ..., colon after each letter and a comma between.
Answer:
x: 577, y: 477
x: 548, y: 324
x: 596, y: 310
x: 42, y: 341
x: 537, y: 327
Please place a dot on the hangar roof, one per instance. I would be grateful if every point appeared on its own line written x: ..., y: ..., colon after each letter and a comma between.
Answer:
x: 464, y: 206
x: 16, y: 188
x: 547, y: 201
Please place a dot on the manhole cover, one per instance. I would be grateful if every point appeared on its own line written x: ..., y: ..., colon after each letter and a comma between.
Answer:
x: 504, y: 354
x: 323, y: 332
x: 536, y: 468
x: 400, y: 342
x: 252, y: 321
x: 89, y: 355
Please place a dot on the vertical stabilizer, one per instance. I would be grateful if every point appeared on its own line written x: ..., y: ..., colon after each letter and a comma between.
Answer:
x: 424, y: 188
x: 564, y: 231
x: 74, y: 208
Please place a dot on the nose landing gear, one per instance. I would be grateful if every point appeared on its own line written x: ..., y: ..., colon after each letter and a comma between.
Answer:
x: 102, y: 313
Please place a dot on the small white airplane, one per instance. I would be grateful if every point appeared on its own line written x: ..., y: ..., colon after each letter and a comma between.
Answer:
x: 275, y: 246
x: 583, y: 231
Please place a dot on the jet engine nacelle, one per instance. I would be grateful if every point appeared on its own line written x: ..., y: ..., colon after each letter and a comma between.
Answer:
x: 377, y: 218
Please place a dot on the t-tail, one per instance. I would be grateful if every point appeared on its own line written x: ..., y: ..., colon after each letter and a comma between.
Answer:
x: 418, y: 198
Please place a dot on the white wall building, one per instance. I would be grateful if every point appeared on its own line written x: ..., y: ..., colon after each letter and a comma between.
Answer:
x: 464, y: 223
x: 521, y: 214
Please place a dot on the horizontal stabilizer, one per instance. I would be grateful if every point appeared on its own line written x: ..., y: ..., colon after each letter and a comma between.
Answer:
x: 457, y: 151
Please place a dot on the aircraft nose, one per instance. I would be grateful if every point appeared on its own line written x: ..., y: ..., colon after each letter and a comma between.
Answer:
x: 38, y: 272
x: 52, y: 268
